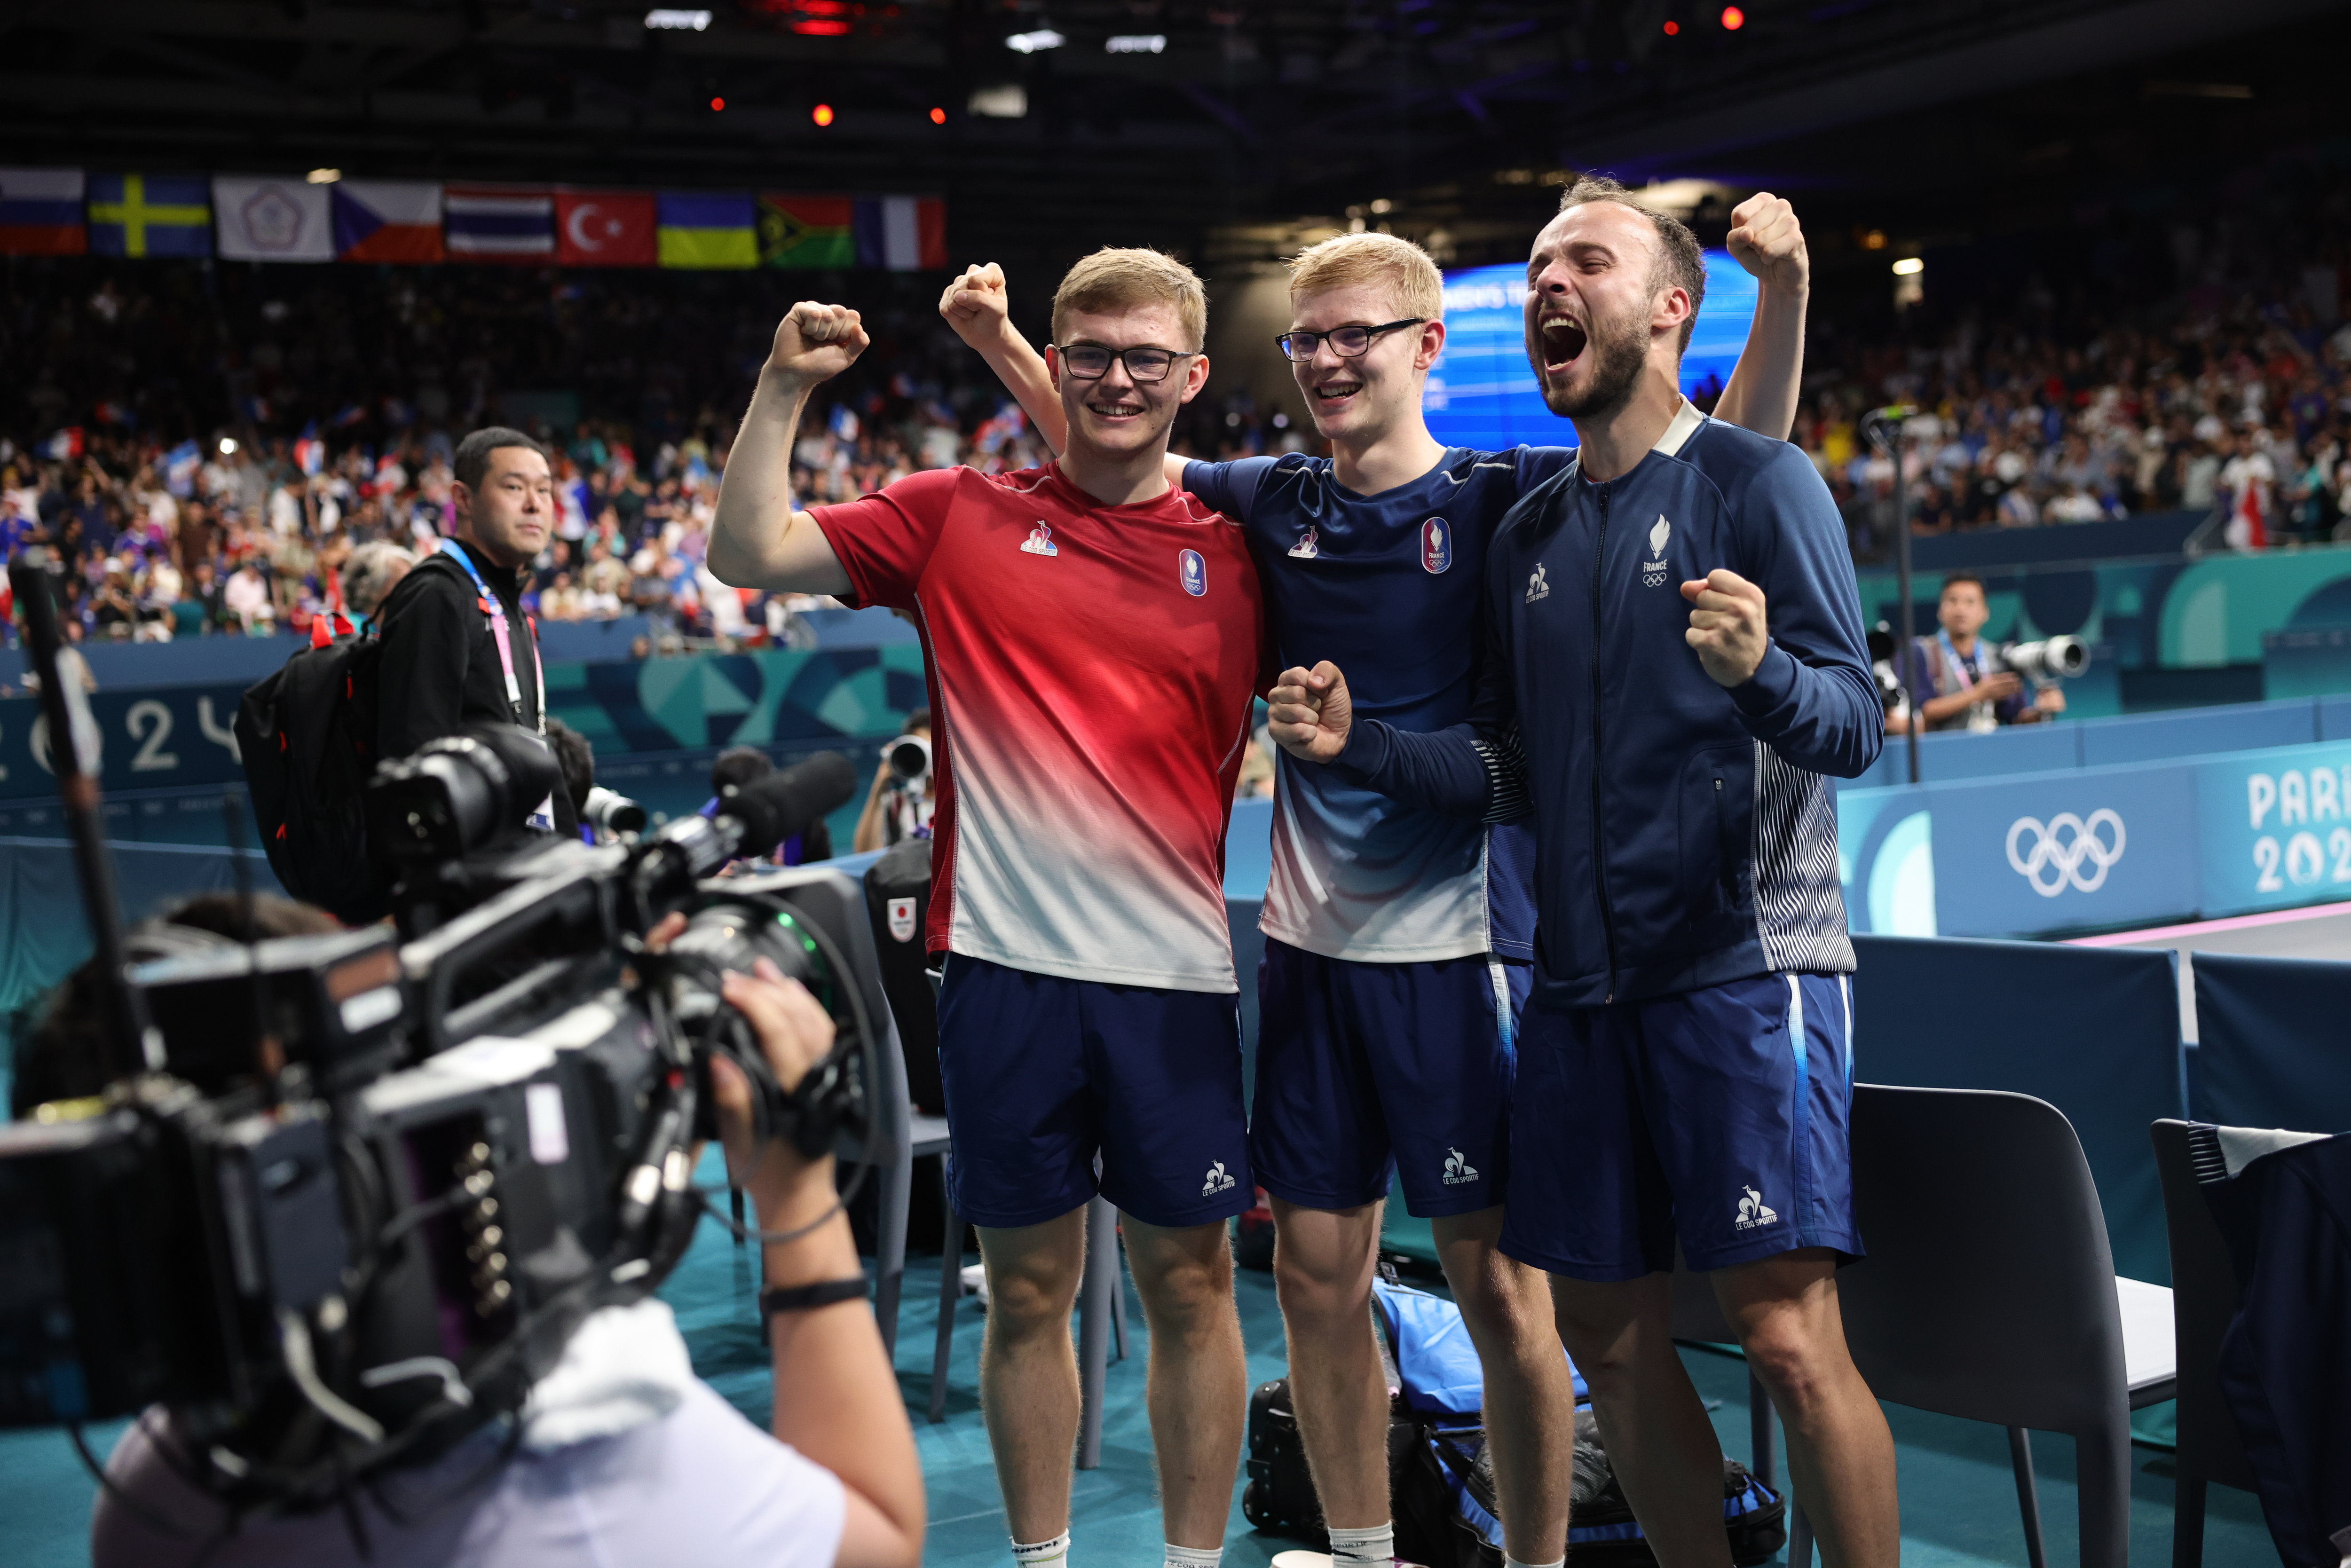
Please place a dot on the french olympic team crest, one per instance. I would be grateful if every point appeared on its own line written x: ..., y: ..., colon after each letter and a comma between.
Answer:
x: 1436, y: 546
x: 1192, y: 572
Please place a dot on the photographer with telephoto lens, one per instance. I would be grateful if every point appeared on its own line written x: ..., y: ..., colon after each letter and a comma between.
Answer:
x: 898, y: 807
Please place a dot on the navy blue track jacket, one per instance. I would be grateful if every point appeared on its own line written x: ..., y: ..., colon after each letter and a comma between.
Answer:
x: 1685, y: 835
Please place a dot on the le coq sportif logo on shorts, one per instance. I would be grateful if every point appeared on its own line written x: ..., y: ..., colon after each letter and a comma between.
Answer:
x: 1753, y: 1212
x: 1458, y: 1171
x: 2067, y: 850
x: 1218, y: 1180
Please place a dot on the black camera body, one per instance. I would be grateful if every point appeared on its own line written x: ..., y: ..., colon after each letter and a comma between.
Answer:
x: 367, y: 1187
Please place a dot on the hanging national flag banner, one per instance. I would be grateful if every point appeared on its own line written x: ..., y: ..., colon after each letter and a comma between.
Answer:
x: 606, y: 229
x: 707, y: 229
x: 807, y: 231
x: 499, y: 222
x: 267, y: 219
x: 387, y: 220
x: 180, y: 465
x: 150, y: 214
x: 903, y: 233
x: 40, y: 212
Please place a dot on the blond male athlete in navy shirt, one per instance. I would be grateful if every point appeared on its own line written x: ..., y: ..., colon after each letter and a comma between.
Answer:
x: 1399, y: 937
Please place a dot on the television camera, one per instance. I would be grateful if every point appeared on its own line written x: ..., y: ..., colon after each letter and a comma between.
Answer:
x: 346, y: 1197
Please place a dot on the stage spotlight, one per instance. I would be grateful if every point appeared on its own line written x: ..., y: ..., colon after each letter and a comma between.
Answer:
x: 1673, y: 29
x: 228, y: 446
x: 939, y: 117
x: 717, y: 106
x: 1135, y: 44
x: 675, y: 21
x: 1029, y: 42
x: 1909, y: 266
x: 1733, y: 18
x: 821, y: 114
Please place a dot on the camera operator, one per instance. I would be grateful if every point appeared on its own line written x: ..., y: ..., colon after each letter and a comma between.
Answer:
x: 897, y: 808
x: 622, y: 1456
x: 457, y: 648
x: 1968, y: 691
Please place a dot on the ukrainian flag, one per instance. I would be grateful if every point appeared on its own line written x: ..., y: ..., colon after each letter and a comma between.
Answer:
x: 150, y: 214
x: 706, y: 229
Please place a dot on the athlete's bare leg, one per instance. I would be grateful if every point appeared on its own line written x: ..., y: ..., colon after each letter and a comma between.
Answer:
x: 1198, y: 1386
x: 1323, y: 1259
x: 1530, y: 1397
x: 1840, y: 1454
x: 1028, y: 1368
x: 1659, y: 1440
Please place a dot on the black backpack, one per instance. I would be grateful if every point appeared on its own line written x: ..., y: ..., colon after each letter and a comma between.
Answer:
x: 898, y: 900
x: 306, y: 737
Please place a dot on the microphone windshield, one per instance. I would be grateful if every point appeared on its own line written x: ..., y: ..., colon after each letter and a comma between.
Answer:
x: 782, y: 804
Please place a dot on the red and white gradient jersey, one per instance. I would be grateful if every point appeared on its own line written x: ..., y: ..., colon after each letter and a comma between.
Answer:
x: 1090, y: 673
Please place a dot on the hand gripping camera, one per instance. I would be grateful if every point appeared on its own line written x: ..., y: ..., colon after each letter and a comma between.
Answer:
x: 346, y: 1197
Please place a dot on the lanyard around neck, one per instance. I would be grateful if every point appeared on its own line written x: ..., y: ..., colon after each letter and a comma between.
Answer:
x: 504, y: 638
x: 1959, y: 666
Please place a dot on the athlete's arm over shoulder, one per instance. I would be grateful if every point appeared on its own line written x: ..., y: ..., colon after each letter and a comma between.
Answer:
x: 1231, y: 488
x: 1765, y: 385
x: 978, y: 306
x: 759, y: 541
x: 1813, y: 698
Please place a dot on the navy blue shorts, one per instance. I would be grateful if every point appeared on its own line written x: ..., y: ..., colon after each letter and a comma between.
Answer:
x: 1364, y: 1069
x: 1718, y: 1115
x: 1042, y: 1074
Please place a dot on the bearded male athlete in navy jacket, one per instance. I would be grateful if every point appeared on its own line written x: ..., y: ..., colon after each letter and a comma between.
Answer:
x: 1684, y: 1064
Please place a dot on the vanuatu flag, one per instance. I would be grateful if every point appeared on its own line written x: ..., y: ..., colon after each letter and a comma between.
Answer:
x: 150, y: 214
x: 704, y: 229
x: 808, y: 231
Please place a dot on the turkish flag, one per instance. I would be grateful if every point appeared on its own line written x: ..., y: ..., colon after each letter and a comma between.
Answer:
x: 605, y: 228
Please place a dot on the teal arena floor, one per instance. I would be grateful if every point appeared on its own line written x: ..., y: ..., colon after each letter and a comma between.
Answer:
x: 1958, y: 1500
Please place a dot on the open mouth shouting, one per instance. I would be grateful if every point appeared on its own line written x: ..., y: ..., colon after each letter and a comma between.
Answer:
x: 1562, y: 340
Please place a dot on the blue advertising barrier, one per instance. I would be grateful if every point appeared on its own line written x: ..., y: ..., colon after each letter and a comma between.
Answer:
x: 2107, y: 741
x: 2273, y: 1049
x: 2095, y: 1031
x: 2100, y: 848
x: 158, y: 738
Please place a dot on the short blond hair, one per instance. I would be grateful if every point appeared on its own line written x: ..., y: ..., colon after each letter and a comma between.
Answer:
x: 1120, y: 278
x: 1388, y: 260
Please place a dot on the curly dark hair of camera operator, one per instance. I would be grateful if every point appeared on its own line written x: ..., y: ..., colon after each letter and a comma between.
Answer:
x: 575, y: 758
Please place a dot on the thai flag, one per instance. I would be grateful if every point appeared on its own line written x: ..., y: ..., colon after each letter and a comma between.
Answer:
x: 387, y: 220
x: 41, y: 213
x: 499, y: 222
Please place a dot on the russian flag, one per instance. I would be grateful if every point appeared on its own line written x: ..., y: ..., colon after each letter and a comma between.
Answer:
x: 387, y: 220
x: 499, y: 222
x: 41, y: 213
x: 903, y: 233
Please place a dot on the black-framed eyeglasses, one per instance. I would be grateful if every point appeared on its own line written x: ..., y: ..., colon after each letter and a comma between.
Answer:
x: 1091, y: 361
x: 1348, y: 342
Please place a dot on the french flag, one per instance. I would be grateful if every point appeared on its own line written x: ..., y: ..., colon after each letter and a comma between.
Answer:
x: 387, y: 220
x: 41, y: 213
x: 499, y: 222
x: 902, y: 234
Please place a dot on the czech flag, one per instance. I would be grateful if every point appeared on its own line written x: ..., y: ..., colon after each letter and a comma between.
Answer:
x: 150, y: 214
x: 707, y: 229
x: 605, y: 228
x: 388, y: 220
x: 40, y: 212
x: 499, y: 222
x: 808, y: 232
x: 902, y: 234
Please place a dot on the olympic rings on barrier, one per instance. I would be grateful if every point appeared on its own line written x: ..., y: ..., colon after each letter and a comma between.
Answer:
x: 2064, y: 848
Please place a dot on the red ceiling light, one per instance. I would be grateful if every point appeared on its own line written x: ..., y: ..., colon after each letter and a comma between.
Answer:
x: 717, y: 105
x: 811, y: 27
x: 821, y: 114
x: 939, y: 117
x: 1673, y: 29
x: 1733, y: 18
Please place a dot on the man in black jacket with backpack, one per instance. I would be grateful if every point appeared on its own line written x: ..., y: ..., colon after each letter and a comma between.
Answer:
x: 457, y: 648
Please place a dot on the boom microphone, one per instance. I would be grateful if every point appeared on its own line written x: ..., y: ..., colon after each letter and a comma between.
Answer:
x: 782, y: 804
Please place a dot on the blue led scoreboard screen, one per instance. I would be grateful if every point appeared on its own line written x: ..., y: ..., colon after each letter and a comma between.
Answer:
x: 1482, y: 392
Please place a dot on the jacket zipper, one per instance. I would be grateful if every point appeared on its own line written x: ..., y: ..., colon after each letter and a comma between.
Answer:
x: 1599, y: 871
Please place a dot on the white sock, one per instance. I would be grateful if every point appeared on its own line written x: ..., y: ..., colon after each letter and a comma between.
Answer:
x: 1372, y: 1547
x: 1509, y: 1562
x: 1193, y: 1556
x: 1051, y: 1554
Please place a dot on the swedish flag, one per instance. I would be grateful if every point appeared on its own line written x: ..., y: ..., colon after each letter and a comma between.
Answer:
x: 150, y: 214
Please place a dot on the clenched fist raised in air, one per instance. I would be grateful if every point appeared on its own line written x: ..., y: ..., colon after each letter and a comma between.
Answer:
x: 976, y: 305
x: 1766, y: 239
x: 1311, y: 712
x: 816, y: 343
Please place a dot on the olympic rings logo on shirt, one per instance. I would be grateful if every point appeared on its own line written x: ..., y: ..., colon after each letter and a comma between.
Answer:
x: 2067, y: 851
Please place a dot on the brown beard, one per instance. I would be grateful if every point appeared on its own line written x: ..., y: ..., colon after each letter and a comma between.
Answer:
x: 1622, y: 350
